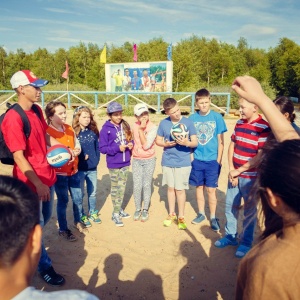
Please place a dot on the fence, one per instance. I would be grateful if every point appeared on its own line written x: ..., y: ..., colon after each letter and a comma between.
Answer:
x: 128, y: 97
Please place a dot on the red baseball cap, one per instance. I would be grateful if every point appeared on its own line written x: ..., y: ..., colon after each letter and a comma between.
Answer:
x: 26, y: 77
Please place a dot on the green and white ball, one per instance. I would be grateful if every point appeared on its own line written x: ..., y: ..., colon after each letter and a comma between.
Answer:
x: 179, y: 131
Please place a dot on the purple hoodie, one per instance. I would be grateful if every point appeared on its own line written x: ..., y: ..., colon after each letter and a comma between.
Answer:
x: 111, y: 137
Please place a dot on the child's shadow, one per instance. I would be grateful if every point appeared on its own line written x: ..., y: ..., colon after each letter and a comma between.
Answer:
x: 162, y: 191
x: 206, y: 275
x: 103, y: 190
x: 147, y: 285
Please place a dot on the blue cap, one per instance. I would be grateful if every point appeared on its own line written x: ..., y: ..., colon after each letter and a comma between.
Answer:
x: 114, y: 107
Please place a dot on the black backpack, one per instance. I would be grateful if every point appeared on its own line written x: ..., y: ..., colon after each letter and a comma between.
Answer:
x: 6, y: 156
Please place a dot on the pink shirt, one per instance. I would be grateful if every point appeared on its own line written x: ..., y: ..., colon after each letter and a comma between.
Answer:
x: 148, y: 150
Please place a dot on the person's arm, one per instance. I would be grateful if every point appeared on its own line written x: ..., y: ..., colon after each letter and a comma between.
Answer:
x: 148, y: 141
x: 220, y: 147
x: 25, y: 167
x: 250, y: 89
x: 191, y: 142
x: 51, y: 141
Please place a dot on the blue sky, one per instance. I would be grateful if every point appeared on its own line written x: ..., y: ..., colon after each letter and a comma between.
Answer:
x: 53, y: 24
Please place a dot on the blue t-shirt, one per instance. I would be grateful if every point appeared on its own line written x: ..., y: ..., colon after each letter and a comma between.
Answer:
x: 208, y: 127
x: 177, y: 156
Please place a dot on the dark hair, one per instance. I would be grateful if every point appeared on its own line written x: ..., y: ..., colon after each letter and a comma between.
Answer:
x: 19, y: 213
x: 75, y: 124
x: 202, y: 93
x: 50, y: 109
x: 169, y: 103
x: 279, y: 171
x: 286, y: 106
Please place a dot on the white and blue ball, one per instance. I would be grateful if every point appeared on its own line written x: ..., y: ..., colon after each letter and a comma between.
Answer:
x: 179, y: 131
x: 58, y: 155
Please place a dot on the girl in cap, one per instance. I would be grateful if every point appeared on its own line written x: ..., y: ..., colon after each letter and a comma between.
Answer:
x: 116, y: 142
x: 87, y: 133
x: 143, y: 164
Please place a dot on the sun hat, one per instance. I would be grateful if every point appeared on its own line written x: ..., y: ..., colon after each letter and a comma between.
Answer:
x: 140, y: 108
x: 114, y: 107
x: 26, y: 77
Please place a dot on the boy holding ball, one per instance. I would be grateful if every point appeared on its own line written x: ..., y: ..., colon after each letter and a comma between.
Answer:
x: 176, y: 160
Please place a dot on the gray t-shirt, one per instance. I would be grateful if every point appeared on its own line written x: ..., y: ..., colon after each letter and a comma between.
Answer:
x: 34, y: 294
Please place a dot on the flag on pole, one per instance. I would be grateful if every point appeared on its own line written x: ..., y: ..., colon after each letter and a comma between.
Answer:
x: 103, y: 56
x: 135, y: 57
x: 169, y: 52
x: 65, y: 74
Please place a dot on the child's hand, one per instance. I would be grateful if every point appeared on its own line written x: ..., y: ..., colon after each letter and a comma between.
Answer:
x: 123, y: 148
x: 130, y: 146
x: 76, y: 151
x: 233, y: 173
x: 169, y: 144
x: 86, y: 157
x: 143, y: 123
x: 182, y: 141
x: 235, y: 181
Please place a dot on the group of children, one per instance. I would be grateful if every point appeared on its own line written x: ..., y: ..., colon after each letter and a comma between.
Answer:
x: 191, y: 160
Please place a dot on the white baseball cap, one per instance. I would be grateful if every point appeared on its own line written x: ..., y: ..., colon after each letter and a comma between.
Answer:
x: 140, y: 108
x: 26, y: 77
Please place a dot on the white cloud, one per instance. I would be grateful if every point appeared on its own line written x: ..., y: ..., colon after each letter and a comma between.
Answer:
x: 252, y: 30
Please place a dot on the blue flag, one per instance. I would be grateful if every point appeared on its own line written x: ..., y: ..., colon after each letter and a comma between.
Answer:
x: 170, y: 52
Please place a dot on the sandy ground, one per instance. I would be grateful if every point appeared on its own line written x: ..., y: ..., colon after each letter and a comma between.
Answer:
x: 145, y: 260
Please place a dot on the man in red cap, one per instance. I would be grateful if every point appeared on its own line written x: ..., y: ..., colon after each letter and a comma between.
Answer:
x: 29, y: 154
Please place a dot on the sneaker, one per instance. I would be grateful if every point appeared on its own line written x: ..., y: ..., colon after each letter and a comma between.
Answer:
x: 52, y: 278
x: 199, y: 219
x: 85, y: 221
x: 227, y: 240
x: 124, y: 214
x: 137, y: 215
x: 68, y: 235
x: 181, y: 223
x: 116, y: 218
x: 169, y: 220
x: 94, y: 217
x: 80, y: 227
x: 145, y: 215
x: 214, y: 224
x: 242, y: 251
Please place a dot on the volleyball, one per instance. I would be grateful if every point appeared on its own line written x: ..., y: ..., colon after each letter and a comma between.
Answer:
x: 58, y: 155
x: 179, y: 131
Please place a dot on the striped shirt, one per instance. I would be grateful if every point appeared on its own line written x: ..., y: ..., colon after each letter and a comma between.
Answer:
x: 248, y: 138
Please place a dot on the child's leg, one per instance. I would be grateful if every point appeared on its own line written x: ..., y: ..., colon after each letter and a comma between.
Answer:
x: 212, y: 201
x: 76, y: 195
x: 119, y: 179
x: 181, y: 198
x: 61, y: 190
x: 91, y: 186
x: 148, y: 170
x: 171, y: 200
x: 232, y: 207
x: 82, y: 176
x: 114, y: 175
x: 137, y: 176
x: 200, y: 199
x: 250, y: 212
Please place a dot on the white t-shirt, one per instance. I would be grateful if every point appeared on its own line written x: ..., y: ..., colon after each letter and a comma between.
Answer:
x: 34, y: 294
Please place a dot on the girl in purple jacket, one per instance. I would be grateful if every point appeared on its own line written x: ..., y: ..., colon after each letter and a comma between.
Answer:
x: 116, y: 142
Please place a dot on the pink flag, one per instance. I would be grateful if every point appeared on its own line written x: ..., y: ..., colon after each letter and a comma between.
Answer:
x: 65, y: 74
x: 135, y: 58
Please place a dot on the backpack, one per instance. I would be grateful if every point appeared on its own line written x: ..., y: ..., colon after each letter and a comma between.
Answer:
x: 6, y: 156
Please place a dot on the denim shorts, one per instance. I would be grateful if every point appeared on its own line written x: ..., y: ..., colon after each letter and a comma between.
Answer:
x: 205, y: 173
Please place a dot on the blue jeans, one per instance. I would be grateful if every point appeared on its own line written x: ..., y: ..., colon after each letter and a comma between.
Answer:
x: 90, y: 177
x: 45, y: 215
x: 233, y: 201
x: 63, y: 185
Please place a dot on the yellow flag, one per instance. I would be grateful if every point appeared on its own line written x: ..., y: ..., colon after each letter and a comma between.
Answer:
x: 103, y: 56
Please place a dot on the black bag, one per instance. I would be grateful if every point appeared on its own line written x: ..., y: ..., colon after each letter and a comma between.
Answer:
x: 6, y: 156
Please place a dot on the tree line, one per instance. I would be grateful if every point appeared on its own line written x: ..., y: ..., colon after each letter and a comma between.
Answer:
x: 197, y: 62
